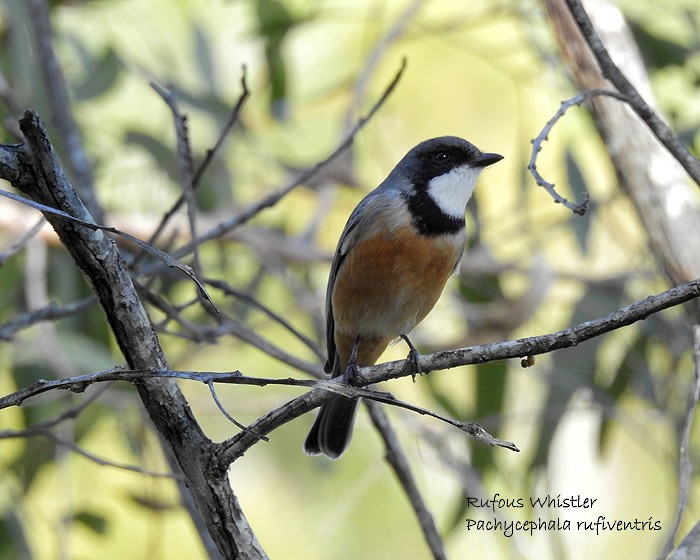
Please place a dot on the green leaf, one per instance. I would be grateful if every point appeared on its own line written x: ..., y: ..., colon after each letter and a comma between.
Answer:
x: 574, y: 368
x: 93, y: 521
x: 100, y: 76
x: 490, y: 390
x: 481, y: 289
x: 13, y: 541
x: 577, y: 184
x: 658, y: 52
x: 274, y: 22
x: 633, y: 365
x: 205, y: 62
x: 158, y: 150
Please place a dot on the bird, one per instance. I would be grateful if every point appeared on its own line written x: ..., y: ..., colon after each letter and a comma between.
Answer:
x: 398, y: 249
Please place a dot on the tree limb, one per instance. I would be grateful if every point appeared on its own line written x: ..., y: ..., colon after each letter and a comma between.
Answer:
x: 685, y: 464
x: 60, y: 105
x: 33, y: 169
x: 530, y: 346
x: 645, y: 111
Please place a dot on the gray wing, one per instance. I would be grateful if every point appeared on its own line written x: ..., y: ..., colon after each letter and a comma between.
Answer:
x: 382, y: 199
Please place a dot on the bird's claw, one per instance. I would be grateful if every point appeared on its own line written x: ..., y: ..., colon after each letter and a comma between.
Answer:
x: 411, y: 366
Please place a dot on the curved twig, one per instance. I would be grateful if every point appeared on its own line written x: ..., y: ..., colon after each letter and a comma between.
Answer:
x: 537, y: 142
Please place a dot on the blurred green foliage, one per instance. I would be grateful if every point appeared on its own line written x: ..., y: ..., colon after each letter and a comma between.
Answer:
x: 485, y: 72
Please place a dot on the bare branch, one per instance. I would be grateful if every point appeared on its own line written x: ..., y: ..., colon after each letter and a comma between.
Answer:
x: 144, y: 245
x: 184, y: 159
x: 248, y: 299
x: 223, y: 410
x: 530, y: 346
x: 59, y: 102
x: 34, y: 170
x: 324, y: 390
x: 51, y: 312
x: 398, y: 461
x: 22, y: 241
x: 685, y: 464
x: 645, y: 112
x: 534, y: 345
x: 274, y: 197
x: 567, y: 338
x: 537, y: 142
x: 232, y: 120
x: 44, y: 432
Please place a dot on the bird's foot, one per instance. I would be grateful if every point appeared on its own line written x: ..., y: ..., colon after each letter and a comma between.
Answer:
x: 352, y: 370
x: 411, y: 365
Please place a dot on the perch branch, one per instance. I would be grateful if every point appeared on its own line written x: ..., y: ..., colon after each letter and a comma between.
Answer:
x: 325, y: 390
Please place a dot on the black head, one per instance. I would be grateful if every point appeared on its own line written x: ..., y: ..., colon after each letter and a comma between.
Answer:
x: 439, y: 176
x: 437, y: 156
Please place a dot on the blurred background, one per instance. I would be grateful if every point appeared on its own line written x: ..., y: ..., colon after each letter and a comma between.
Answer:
x: 600, y: 421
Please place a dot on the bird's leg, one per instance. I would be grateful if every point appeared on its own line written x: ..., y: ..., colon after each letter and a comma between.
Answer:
x: 351, y: 371
x: 411, y: 366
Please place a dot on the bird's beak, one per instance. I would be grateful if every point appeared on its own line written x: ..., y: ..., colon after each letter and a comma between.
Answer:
x: 484, y: 160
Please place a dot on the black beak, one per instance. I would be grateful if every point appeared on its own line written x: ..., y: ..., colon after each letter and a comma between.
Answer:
x: 484, y: 160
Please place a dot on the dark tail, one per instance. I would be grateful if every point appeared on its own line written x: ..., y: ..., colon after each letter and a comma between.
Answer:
x: 332, y: 430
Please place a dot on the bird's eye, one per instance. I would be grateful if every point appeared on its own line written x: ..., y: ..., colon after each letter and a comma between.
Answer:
x: 442, y: 156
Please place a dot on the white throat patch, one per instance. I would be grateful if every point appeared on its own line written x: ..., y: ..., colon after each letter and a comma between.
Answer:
x: 452, y: 191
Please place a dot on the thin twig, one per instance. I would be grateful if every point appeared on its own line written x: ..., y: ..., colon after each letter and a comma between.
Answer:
x: 250, y: 300
x: 544, y: 135
x: 391, y: 36
x: 232, y: 120
x: 22, y: 241
x: 230, y: 418
x: 227, y: 325
x: 144, y: 245
x: 273, y: 198
x: 325, y: 390
x: 398, y: 461
x: 199, y: 173
x: 45, y: 429
x: 40, y: 431
x: 60, y: 105
x: 685, y: 464
x: 184, y: 159
x: 645, y: 112
x: 51, y: 312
